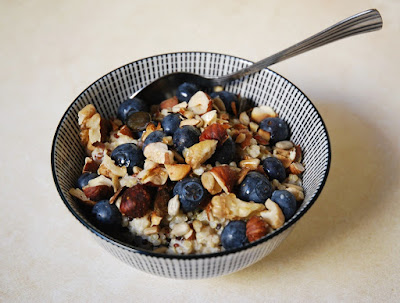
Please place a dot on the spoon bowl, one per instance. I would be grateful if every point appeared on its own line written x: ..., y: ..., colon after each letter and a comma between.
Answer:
x: 165, y: 87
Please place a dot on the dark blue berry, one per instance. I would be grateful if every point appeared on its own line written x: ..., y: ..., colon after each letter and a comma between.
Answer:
x: 286, y: 201
x: 131, y: 106
x: 225, y: 153
x: 274, y: 169
x: 107, y: 216
x: 191, y: 193
x: 255, y: 187
x: 234, y: 235
x: 155, y: 136
x: 170, y: 123
x: 185, y: 91
x: 278, y: 129
x: 227, y: 98
x: 128, y: 155
x: 84, y: 179
x: 185, y: 137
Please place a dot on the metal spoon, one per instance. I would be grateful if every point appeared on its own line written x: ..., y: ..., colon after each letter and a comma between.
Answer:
x: 165, y: 87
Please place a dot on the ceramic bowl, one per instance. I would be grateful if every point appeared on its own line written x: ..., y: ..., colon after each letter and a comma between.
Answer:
x: 264, y: 88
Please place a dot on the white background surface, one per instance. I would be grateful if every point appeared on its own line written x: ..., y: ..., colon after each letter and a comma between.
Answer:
x: 346, y: 248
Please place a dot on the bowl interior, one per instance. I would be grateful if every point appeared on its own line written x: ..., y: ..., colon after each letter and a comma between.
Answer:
x: 264, y: 88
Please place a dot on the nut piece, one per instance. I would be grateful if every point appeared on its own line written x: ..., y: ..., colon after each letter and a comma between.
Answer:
x: 225, y: 176
x: 209, y: 183
x: 215, y: 131
x: 177, y: 172
x: 158, y: 152
x: 156, y: 176
x: 200, y: 103
x: 169, y: 103
x: 284, y: 144
x: 209, y: 117
x: 273, y: 215
x: 251, y: 163
x: 77, y: 193
x: 155, y: 219
x: 85, y: 114
x: 135, y: 201
x: 109, y: 169
x: 90, y: 166
x: 199, y: 153
x: 260, y: 113
x: 125, y: 131
x: 244, y: 118
x: 180, y: 229
x: 256, y: 228
x: 192, y: 122
x: 173, y: 206
x: 161, y: 201
x: 229, y: 207
x: 296, y: 168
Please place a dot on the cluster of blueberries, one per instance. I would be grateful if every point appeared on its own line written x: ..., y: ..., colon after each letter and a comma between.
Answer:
x: 255, y: 186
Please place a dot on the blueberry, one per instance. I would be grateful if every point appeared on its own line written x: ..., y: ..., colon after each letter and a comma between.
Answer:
x: 274, y: 169
x: 227, y: 98
x: 225, y: 153
x: 286, y: 201
x: 185, y: 91
x: 191, y: 193
x: 130, y: 106
x: 128, y: 155
x: 255, y: 187
x: 276, y: 127
x: 84, y: 179
x: 106, y: 215
x: 234, y: 235
x: 185, y: 137
x: 170, y: 123
x: 155, y: 136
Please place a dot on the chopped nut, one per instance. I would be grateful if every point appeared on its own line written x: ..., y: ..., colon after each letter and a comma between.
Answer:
x: 180, y: 229
x: 243, y: 173
x: 226, y: 177
x: 215, y: 131
x: 296, y: 168
x: 209, y: 183
x: 177, y: 172
x: 200, y: 103
x: 161, y: 201
x: 284, y: 144
x: 219, y: 105
x: 109, y: 169
x: 77, y: 193
x: 253, y: 151
x: 197, y: 225
x: 177, y: 108
x: 285, y: 161
x: 173, y: 206
x: 252, y: 164
x: 229, y: 207
x: 244, y: 118
x: 86, y: 113
x: 200, y: 152
x: 90, y: 165
x: 264, y: 134
x: 156, y: 176
x: 209, y: 118
x: 260, y: 113
x: 240, y: 138
x: 253, y: 127
x: 159, y: 153
x: 188, y: 114
x: 151, y: 230
x: 193, y: 122
x: 155, y: 219
x: 273, y: 215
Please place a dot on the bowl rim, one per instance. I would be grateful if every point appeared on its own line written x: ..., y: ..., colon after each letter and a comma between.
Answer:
x: 149, y: 253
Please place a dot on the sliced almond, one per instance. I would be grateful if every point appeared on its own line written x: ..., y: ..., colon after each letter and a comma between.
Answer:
x: 209, y: 183
x: 209, y: 118
x: 200, y: 103
x: 296, y: 168
x: 226, y: 177
x: 192, y: 122
x: 252, y: 163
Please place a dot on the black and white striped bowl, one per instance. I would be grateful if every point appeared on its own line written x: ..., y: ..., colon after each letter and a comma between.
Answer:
x: 265, y: 87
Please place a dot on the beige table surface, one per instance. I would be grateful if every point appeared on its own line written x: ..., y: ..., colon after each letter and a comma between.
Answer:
x: 346, y: 248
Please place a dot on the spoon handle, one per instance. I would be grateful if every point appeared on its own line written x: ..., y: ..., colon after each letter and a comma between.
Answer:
x: 366, y: 21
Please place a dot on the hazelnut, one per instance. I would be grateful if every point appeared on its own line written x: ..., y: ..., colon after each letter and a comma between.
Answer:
x: 97, y: 193
x: 256, y: 228
x: 135, y: 201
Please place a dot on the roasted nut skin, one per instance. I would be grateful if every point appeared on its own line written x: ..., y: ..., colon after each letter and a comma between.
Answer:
x: 97, y: 193
x: 214, y: 131
x: 256, y: 228
x: 135, y: 202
